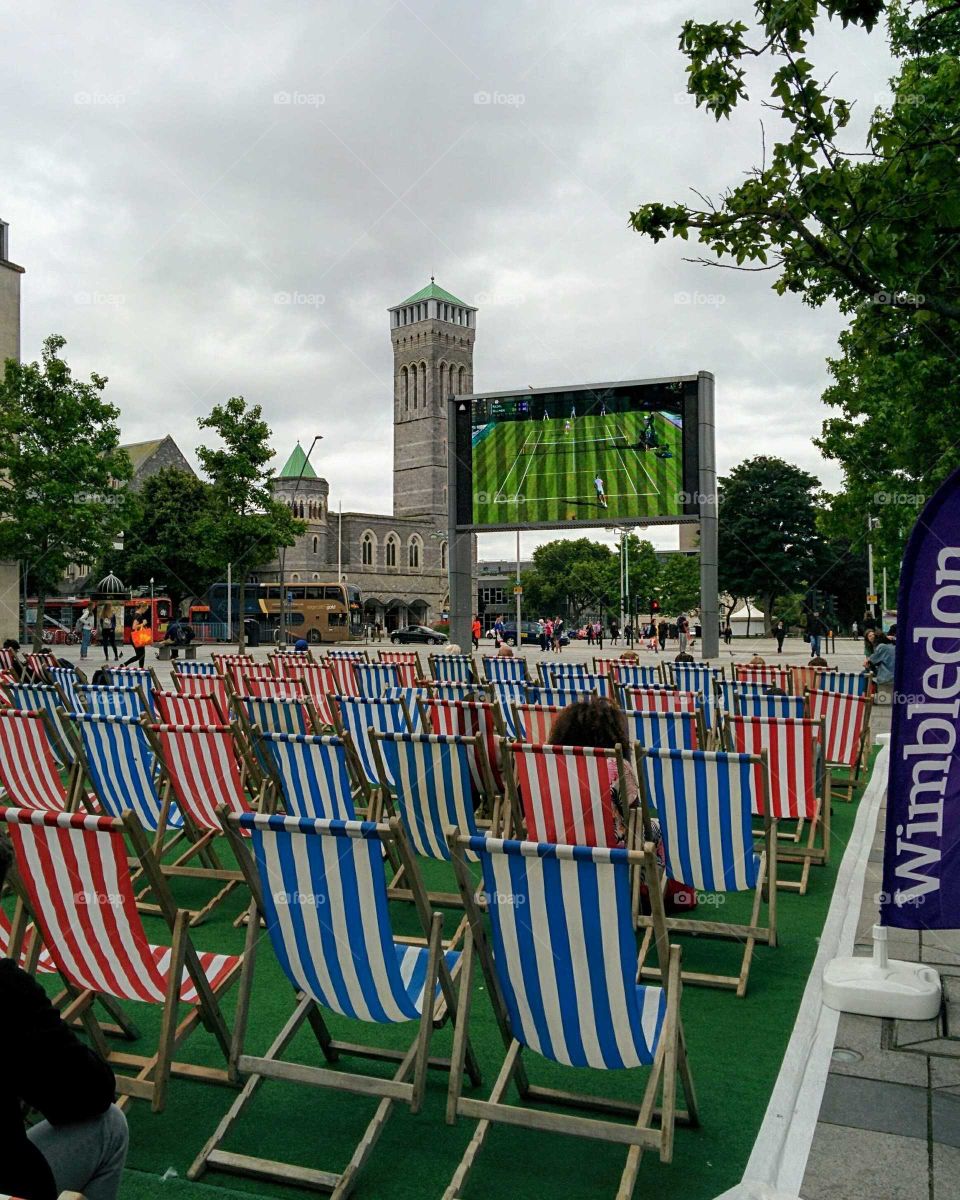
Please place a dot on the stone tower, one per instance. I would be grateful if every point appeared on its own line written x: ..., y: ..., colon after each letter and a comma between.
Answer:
x: 307, y: 496
x: 432, y: 334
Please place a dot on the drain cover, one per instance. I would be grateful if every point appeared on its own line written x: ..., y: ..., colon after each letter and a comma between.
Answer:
x: 846, y: 1056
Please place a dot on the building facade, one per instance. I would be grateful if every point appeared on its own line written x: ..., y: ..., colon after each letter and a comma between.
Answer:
x: 398, y: 560
x: 9, y: 348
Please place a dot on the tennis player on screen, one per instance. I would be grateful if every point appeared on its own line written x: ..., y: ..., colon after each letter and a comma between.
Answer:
x: 601, y: 494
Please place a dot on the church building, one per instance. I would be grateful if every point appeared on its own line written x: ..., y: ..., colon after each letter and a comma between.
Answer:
x: 398, y: 561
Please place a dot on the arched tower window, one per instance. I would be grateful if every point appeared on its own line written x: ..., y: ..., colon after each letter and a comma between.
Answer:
x: 462, y: 384
x: 443, y: 556
x: 316, y: 545
x: 423, y: 384
x: 391, y: 549
x: 405, y: 388
x: 413, y: 385
x: 414, y: 553
x: 368, y: 549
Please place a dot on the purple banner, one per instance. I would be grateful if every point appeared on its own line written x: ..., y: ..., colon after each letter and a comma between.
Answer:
x: 921, y: 860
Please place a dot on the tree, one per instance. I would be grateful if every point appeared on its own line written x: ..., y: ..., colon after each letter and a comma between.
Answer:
x: 679, y: 584
x: 243, y: 525
x: 768, y: 541
x: 569, y: 575
x: 164, y: 538
x: 643, y: 573
x: 60, y: 459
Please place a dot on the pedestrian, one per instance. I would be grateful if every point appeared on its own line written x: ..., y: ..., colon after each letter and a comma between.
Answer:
x: 141, y: 635
x: 614, y: 631
x: 854, y: 629
x: 780, y: 632
x: 589, y: 632
x: 662, y: 630
x: 683, y: 629
x: 815, y: 631
x: 727, y: 633
x: 476, y: 630
x: 557, y: 634
x: 498, y: 631
x: 85, y: 627
x: 378, y: 630
x: 547, y: 634
x: 598, y: 633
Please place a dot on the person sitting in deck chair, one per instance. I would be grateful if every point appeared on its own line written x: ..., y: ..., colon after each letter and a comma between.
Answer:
x: 81, y: 1145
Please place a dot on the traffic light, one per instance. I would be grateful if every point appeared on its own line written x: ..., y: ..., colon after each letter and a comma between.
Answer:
x: 654, y: 607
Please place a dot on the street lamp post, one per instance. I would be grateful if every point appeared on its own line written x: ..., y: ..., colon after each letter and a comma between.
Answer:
x: 282, y: 628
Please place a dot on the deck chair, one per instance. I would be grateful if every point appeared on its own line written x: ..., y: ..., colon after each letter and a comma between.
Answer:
x: 504, y: 696
x: 557, y: 674
x: 633, y: 675
x: 704, y: 801
x: 37, y: 664
x: 799, y: 786
x: 29, y: 771
x: 457, y: 691
x: 8, y: 660
x: 560, y: 697
x: 184, y: 667
x: 666, y: 730
x: 30, y: 955
x: 451, y: 668
x: 65, y: 863
x: 241, y: 677
x: 108, y: 701
x: 204, y: 685
x: 256, y: 716
x: 42, y: 697
x: 772, y: 707
x: 311, y: 773
x: 223, y: 662
x: 134, y: 677
x: 345, y: 683
x: 603, y: 664
x: 318, y: 682
x: 566, y: 794
x: 268, y: 687
x: 339, y: 953
x: 804, y: 679
x: 660, y: 700
x: 66, y: 679
x: 559, y: 968
x: 765, y: 676
x: 533, y: 722
x: 204, y: 765
x: 847, y: 722
x: 173, y: 708
x: 468, y: 718
x: 357, y: 718
x: 701, y: 679
x: 373, y: 679
x: 847, y: 683
x: 503, y: 670
x: 407, y: 663
x: 412, y: 698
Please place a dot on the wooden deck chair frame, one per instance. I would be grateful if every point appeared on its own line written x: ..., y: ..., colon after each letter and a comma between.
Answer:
x: 153, y: 1072
x: 400, y: 1088
x: 249, y: 732
x: 652, y: 1125
x: 467, y: 658
x: 764, y: 890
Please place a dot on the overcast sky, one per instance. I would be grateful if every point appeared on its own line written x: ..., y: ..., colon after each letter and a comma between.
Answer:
x: 218, y: 198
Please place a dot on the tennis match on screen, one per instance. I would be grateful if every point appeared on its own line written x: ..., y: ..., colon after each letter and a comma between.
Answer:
x: 575, y: 456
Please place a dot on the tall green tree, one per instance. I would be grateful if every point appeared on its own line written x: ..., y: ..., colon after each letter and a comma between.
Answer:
x: 568, y: 576
x: 679, y: 584
x: 768, y: 540
x: 61, y: 464
x: 642, y: 574
x: 243, y: 524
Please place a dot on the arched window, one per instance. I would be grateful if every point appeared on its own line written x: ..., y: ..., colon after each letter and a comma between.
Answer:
x: 295, y: 578
x: 443, y: 556
x: 368, y: 549
x: 413, y: 553
x: 413, y: 385
x: 391, y: 549
x: 315, y: 575
x: 316, y: 545
x: 405, y: 387
x: 462, y: 386
x: 423, y: 385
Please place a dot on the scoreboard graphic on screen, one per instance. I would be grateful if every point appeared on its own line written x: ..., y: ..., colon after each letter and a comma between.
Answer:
x: 602, y: 454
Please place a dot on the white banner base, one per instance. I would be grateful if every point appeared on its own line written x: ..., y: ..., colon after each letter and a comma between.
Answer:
x: 881, y: 986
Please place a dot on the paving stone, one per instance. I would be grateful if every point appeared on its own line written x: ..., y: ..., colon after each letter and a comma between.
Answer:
x: 856, y: 1164
x: 872, y: 1104
x: 911, y: 1033
x: 864, y: 1036
x: 946, y: 1122
x: 946, y: 1173
x: 941, y: 946
x: 944, y: 1073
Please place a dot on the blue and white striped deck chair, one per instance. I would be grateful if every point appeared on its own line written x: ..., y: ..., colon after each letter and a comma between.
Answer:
x: 107, y: 701
x: 846, y: 683
x: 504, y: 696
x: 185, y: 667
x: 411, y: 697
x: 355, y: 717
x: 559, y: 697
x: 698, y: 677
x: 312, y: 773
x: 772, y: 707
x: 374, y: 679
x: 503, y: 670
x: 560, y: 968
x: 632, y: 675
x: 456, y: 691
x: 704, y: 801
x: 321, y: 889
x: 276, y: 716
x: 66, y: 679
x: 451, y: 668
x: 43, y: 697
x: 557, y: 674
x: 131, y: 677
x: 665, y: 730
x: 122, y: 767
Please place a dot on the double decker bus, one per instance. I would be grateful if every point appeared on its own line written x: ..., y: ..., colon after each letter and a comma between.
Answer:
x: 61, y: 613
x: 317, y: 611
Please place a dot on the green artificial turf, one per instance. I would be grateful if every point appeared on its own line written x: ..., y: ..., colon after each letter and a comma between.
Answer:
x: 736, y: 1047
x: 532, y: 471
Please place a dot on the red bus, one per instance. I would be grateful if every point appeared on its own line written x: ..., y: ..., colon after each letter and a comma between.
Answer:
x: 61, y: 613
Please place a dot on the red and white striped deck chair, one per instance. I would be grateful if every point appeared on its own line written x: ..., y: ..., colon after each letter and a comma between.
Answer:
x: 29, y: 772
x: 8, y: 660
x: 653, y: 699
x: 603, y: 666
x: 37, y: 664
x: 240, y: 674
x: 72, y: 872
x: 205, y: 767
x: 799, y: 787
x: 469, y: 718
x: 532, y: 722
x: 847, y: 721
x: 33, y: 956
x: 204, y: 685
x: 271, y: 688
x: 319, y: 683
x: 804, y: 679
x: 173, y: 708
x: 778, y: 677
x: 567, y: 795
x: 408, y: 663
x: 224, y: 661
x: 345, y: 683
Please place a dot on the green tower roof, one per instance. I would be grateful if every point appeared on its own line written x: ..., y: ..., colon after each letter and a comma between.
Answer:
x: 297, y: 466
x: 433, y: 292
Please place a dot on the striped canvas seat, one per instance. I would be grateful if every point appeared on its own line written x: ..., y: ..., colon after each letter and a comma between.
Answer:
x: 122, y: 768
x: 560, y: 697
x: 847, y: 683
x: 704, y: 801
x: 451, y: 668
x: 29, y: 771
x: 458, y: 691
x: 504, y: 696
x: 633, y: 675
x: 412, y: 698
x: 133, y: 677
x: 321, y: 890
x: 66, y: 679
x: 560, y: 975
x: 176, y: 709
x: 665, y: 730
x: 317, y: 681
x: 243, y: 678
x: 268, y: 687
x: 373, y: 679
x: 8, y: 659
x: 204, y: 769
x: 341, y: 668
x: 41, y: 697
x: 194, y: 667
x: 503, y: 670
x: 557, y: 674
x: 567, y: 794
x: 407, y: 663
x: 348, y: 655
x: 467, y: 718
x: 356, y: 717
x: 204, y: 685
x: 660, y: 700
x: 88, y: 918
x: 532, y: 723
x: 277, y: 716
x: 37, y: 664
x: 604, y: 666
x: 804, y: 679
x: 701, y: 679
x: 778, y: 677
x: 312, y: 774
x: 847, y: 725
x: 45, y: 964
x: 772, y: 707
x: 108, y: 701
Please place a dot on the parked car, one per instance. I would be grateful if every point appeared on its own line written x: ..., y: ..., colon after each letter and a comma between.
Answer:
x: 420, y: 634
x: 529, y: 633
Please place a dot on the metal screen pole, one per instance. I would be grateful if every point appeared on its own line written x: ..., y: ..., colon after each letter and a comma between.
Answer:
x: 460, y: 549
x: 518, y: 597
x: 709, y: 588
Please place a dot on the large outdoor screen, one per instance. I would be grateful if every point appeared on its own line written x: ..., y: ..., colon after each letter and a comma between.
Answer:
x: 598, y: 455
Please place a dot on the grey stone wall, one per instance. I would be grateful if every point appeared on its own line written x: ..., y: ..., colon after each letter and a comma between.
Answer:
x: 9, y: 348
x: 166, y: 455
